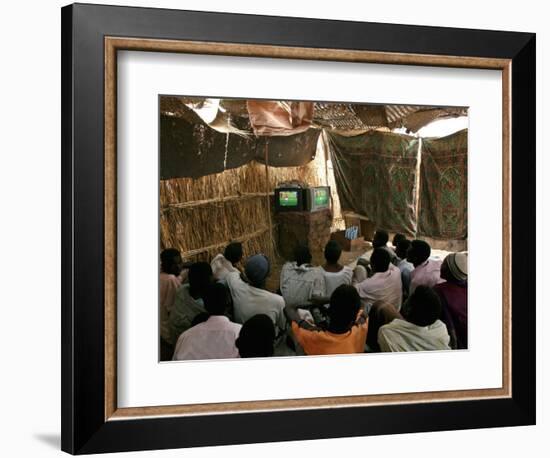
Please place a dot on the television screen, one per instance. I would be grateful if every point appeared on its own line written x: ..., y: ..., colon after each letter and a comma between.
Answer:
x: 288, y: 198
x: 318, y: 198
x: 321, y: 197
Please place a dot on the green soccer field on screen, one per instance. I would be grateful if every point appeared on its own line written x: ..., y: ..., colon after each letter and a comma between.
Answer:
x: 288, y: 198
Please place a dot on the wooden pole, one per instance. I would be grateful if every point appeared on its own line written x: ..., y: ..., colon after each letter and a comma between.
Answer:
x: 243, y: 238
x: 267, y: 197
x: 417, y: 183
x: 325, y: 151
x: 213, y: 201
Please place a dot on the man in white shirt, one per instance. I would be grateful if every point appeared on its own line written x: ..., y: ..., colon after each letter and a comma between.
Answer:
x: 215, y: 338
x: 300, y: 281
x: 227, y: 262
x: 385, y: 283
x: 251, y: 298
x: 334, y: 273
x: 422, y: 331
x: 426, y: 271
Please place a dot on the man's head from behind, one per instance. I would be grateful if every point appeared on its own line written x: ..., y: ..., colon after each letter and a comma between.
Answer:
x: 233, y: 252
x: 380, y: 239
x: 302, y: 255
x: 344, y: 307
x: 424, y: 306
x: 360, y: 273
x: 333, y: 251
x: 257, y: 269
x: 455, y: 267
x: 418, y: 252
x: 402, y: 248
x: 397, y: 238
x: 217, y: 299
x: 380, y: 260
x: 256, y: 338
x: 200, y: 278
x: 170, y: 261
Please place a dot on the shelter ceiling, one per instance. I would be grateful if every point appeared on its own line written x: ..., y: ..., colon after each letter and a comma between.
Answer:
x: 342, y: 118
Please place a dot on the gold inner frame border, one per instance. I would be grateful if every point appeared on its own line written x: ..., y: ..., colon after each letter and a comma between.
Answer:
x: 114, y: 44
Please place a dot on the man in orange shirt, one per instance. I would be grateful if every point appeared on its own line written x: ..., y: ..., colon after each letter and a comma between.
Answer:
x: 346, y: 331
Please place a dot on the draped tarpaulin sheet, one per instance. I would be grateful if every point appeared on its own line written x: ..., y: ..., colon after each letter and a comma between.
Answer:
x: 193, y: 149
x: 292, y: 151
x: 278, y: 117
x: 375, y: 174
x: 443, y: 207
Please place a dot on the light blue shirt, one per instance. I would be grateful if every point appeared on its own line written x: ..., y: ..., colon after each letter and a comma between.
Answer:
x: 406, y: 268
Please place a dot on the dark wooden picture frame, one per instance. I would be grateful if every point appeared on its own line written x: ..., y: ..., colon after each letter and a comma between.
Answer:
x: 91, y: 37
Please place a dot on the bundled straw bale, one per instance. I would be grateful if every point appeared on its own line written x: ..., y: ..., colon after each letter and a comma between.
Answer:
x: 248, y: 178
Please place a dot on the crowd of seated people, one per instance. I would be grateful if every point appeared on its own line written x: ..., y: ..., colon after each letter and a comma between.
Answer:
x: 395, y: 299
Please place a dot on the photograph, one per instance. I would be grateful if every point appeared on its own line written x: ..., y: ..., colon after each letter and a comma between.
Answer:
x: 306, y: 228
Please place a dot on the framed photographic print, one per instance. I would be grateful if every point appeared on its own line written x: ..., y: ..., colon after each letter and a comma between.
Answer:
x: 271, y: 221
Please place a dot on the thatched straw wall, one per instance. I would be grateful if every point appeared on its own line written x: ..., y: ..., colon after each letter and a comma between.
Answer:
x: 200, y: 216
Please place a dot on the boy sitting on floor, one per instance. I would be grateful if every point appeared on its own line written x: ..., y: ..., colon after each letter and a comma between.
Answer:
x: 346, y: 331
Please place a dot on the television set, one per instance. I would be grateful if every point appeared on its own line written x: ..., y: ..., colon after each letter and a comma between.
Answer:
x: 317, y: 198
x: 289, y: 199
